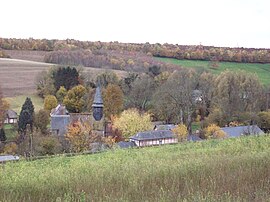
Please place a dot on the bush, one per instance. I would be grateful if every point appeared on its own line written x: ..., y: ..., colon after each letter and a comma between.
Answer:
x: 10, y: 148
x: 214, y: 132
x: 181, y: 132
x: 49, y: 146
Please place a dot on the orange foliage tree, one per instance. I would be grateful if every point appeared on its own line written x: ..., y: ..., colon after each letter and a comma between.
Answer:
x: 80, y: 136
x: 113, y: 98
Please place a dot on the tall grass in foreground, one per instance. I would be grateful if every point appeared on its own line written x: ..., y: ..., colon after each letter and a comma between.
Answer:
x: 230, y: 170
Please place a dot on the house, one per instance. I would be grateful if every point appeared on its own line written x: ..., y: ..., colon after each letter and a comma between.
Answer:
x: 60, y: 119
x: 6, y: 158
x: 193, y: 138
x: 242, y: 130
x: 11, y: 117
x: 154, y: 137
x: 125, y: 145
x: 164, y: 127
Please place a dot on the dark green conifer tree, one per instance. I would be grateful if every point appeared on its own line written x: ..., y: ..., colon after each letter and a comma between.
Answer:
x: 3, y: 137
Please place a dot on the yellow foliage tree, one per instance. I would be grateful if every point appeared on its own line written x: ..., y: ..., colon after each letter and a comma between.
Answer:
x: 61, y: 93
x: 131, y: 122
x: 74, y: 99
x: 181, y: 132
x: 50, y: 102
x: 80, y: 136
x: 214, y: 132
x: 113, y: 99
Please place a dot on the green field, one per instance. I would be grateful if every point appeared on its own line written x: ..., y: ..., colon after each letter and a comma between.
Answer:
x: 262, y: 70
x: 17, y: 102
x: 217, y: 170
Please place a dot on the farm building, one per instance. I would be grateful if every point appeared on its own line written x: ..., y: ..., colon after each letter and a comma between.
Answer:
x: 154, y: 137
x: 59, y: 120
x: 11, y: 117
x: 164, y: 127
x: 242, y: 130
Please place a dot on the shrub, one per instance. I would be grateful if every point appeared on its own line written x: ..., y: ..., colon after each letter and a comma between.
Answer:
x: 10, y: 148
x: 181, y: 132
x: 214, y: 132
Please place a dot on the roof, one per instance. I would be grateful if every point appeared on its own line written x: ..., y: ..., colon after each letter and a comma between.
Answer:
x: 98, y: 98
x: 153, y: 135
x: 242, y: 130
x: 11, y: 114
x: 123, y: 144
x: 193, y: 138
x: 59, y: 110
x: 8, y: 158
x: 165, y: 127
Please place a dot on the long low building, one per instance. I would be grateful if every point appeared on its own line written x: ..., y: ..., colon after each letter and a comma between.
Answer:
x: 242, y: 130
x: 154, y: 137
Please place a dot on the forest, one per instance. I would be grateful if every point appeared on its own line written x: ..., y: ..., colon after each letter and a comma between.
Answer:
x: 192, y: 52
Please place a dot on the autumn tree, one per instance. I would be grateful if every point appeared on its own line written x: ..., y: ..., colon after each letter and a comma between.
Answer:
x: 50, y: 102
x: 61, y: 93
x: 45, y: 83
x: 141, y: 92
x: 42, y: 120
x: 237, y: 92
x: 80, y: 136
x: 214, y: 132
x: 74, y: 99
x: 106, y: 78
x: 181, y: 132
x: 131, y: 122
x: 113, y: 99
x: 264, y: 120
x: 174, y: 101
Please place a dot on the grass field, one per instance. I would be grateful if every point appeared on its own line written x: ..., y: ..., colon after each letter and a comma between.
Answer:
x: 217, y: 170
x: 17, y: 77
x: 262, y: 70
x: 17, y: 102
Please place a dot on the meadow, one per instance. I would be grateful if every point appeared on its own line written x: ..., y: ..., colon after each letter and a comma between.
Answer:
x: 262, y: 70
x: 18, y: 77
x: 216, y: 170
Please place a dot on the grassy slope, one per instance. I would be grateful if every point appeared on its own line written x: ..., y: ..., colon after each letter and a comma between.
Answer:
x: 262, y: 70
x: 17, y: 102
x: 229, y: 170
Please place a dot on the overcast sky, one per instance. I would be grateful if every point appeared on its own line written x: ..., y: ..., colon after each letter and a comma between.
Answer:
x: 234, y: 23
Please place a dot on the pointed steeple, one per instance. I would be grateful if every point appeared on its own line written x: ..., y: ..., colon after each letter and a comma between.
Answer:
x: 98, y: 105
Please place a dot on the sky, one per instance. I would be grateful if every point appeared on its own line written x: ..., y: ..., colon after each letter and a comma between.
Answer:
x: 227, y: 23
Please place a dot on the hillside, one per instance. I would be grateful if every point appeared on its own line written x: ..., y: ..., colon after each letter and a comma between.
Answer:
x: 229, y: 170
x: 262, y: 70
x: 17, y: 77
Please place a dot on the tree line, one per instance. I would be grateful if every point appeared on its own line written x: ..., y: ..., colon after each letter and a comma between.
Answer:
x: 192, y: 52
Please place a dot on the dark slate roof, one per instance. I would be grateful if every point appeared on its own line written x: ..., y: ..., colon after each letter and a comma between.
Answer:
x: 60, y: 122
x: 242, y: 130
x: 98, y: 102
x: 123, y: 144
x: 11, y: 114
x: 165, y: 127
x: 8, y: 158
x: 193, y: 138
x: 59, y: 110
x: 153, y: 135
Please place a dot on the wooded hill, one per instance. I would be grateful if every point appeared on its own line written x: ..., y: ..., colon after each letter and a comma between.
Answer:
x: 198, y: 52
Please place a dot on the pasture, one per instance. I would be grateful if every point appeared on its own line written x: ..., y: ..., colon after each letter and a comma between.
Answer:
x: 217, y: 170
x: 18, y: 77
x: 262, y: 70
